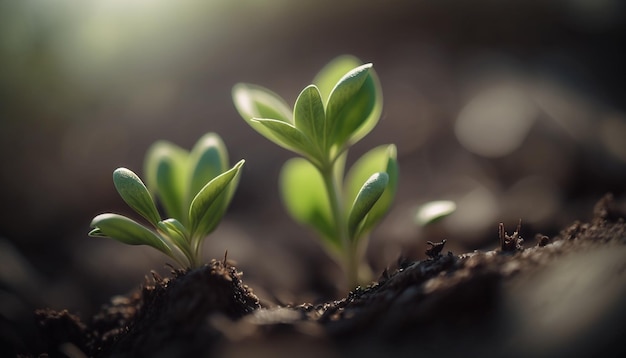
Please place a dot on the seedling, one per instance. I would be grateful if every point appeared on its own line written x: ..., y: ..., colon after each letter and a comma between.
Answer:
x: 342, y: 105
x: 194, y: 189
x: 434, y: 211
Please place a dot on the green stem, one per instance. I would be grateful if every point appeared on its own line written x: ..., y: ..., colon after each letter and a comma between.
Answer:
x: 350, y: 261
x: 194, y: 258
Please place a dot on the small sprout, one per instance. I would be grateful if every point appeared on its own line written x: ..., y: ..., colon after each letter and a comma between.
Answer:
x: 342, y: 105
x: 434, y: 252
x: 510, y: 243
x: 434, y: 211
x: 194, y: 189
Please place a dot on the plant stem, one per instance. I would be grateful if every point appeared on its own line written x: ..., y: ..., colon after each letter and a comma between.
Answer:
x: 194, y: 258
x: 335, y: 196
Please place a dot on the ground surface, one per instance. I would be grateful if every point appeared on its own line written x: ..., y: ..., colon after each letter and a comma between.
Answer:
x: 560, y: 296
x: 66, y: 122
x: 86, y: 89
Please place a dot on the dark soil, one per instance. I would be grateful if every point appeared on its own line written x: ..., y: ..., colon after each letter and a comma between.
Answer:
x: 558, y: 297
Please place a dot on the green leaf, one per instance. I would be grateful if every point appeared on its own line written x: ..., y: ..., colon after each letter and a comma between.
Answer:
x: 172, y: 227
x: 304, y: 195
x: 208, y: 159
x: 433, y: 211
x: 167, y: 177
x: 135, y: 194
x: 354, y: 106
x: 126, y: 230
x: 309, y: 117
x: 379, y: 159
x: 369, y: 194
x: 254, y: 101
x: 291, y: 137
x: 178, y: 236
x: 209, y: 205
x: 370, y: 92
x: 327, y: 77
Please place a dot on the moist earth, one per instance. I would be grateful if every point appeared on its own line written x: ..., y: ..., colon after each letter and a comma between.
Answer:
x: 543, y: 297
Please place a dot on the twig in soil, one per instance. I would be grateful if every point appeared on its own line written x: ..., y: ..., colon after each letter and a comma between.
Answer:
x: 434, y: 251
x: 542, y: 240
x: 513, y: 242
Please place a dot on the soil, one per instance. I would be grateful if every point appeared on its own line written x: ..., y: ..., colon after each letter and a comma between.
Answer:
x: 547, y: 297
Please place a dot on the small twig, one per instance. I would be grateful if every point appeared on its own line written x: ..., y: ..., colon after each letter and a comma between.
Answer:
x: 434, y: 251
x: 542, y: 240
x: 513, y: 242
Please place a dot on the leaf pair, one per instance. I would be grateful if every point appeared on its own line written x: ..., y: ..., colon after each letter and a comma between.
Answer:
x: 194, y: 189
x: 341, y: 107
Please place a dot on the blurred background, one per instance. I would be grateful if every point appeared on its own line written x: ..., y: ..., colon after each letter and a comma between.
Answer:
x: 512, y: 109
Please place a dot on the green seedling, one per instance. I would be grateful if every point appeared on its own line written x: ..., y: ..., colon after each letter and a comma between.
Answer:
x: 194, y: 189
x: 434, y: 211
x: 342, y: 105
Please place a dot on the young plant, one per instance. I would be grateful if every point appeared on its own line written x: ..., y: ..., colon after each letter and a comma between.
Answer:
x: 342, y: 105
x: 433, y: 211
x: 194, y: 189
